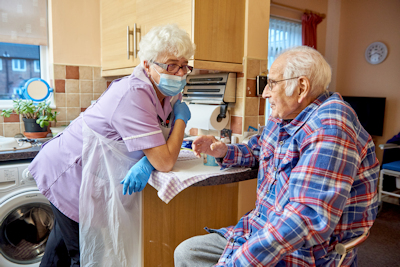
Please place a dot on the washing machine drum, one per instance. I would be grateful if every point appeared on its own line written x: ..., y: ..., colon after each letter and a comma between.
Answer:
x: 24, y: 232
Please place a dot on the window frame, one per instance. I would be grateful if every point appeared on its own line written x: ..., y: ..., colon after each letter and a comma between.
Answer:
x: 19, y: 61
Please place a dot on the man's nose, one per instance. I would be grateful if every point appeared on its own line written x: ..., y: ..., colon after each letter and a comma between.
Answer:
x: 266, y: 92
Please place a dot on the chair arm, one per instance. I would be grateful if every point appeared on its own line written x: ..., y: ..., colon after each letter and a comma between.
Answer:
x: 389, y: 146
x: 344, y: 248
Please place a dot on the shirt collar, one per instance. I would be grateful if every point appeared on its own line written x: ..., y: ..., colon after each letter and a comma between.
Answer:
x: 294, y: 125
x: 141, y: 74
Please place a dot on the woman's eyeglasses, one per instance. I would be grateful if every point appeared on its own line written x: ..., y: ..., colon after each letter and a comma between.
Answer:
x: 173, y: 68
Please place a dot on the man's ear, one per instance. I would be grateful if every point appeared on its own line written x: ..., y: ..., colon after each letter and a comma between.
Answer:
x: 304, y: 88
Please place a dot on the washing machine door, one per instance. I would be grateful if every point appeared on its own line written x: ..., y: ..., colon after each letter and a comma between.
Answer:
x: 26, y: 220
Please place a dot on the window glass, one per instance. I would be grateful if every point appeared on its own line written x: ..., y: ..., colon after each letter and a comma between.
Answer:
x: 36, y: 65
x: 283, y: 34
x: 20, y: 63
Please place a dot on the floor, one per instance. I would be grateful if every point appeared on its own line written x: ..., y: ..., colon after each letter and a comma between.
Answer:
x: 382, y: 248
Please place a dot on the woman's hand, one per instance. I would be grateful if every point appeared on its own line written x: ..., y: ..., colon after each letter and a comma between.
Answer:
x: 210, y: 145
x: 181, y: 111
x: 137, y: 177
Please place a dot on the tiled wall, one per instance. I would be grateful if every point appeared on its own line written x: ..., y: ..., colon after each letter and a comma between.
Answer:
x: 75, y: 88
x: 249, y: 109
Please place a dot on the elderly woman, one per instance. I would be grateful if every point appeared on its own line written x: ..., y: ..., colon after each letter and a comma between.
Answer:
x: 136, y: 126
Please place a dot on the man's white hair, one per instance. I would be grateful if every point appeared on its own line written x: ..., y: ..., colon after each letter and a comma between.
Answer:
x: 306, y: 61
x: 165, y: 40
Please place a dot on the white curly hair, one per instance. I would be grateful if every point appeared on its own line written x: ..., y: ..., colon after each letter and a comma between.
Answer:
x: 163, y: 40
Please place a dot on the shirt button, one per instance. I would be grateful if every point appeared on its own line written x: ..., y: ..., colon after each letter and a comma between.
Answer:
x: 258, y: 214
x: 231, y: 240
x: 281, y: 142
x: 275, y: 168
x: 267, y: 191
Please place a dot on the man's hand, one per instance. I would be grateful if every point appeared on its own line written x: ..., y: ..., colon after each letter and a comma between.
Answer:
x: 137, y: 176
x: 209, y: 145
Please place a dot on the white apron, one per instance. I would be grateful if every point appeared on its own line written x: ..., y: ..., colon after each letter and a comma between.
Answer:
x: 109, y: 222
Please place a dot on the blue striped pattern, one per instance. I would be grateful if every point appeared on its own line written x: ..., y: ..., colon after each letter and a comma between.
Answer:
x: 317, y: 186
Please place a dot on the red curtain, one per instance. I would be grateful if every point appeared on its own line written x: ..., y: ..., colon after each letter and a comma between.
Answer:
x: 309, y: 28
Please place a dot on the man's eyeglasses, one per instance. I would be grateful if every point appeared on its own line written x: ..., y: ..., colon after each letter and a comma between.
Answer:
x: 271, y: 83
x: 174, y: 68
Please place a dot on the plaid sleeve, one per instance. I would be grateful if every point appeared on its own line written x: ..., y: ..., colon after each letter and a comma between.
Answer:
x: 242, y: 154
x: 319, y: 186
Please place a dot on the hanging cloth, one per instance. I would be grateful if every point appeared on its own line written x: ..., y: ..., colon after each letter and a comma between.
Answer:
x: 309, y: 29
x: 109, y: 222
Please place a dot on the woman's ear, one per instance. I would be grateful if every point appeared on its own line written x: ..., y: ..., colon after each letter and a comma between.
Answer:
x: 146, y: 67
x: 304, y: 88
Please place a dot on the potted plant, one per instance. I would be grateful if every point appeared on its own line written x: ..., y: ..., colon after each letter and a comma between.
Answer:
x: 36, y: 116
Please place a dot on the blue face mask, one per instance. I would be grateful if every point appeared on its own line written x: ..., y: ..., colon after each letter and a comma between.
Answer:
x: 170, y: 85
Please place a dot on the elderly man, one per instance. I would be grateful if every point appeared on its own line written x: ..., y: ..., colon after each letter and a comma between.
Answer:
x: 317, y: 179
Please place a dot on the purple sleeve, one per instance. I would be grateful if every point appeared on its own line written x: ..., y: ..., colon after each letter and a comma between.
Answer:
x: 135, y: 119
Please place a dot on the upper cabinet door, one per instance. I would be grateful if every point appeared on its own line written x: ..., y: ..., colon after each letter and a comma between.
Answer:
x: 219, y: 30
x: 215, y: 26
x: 117, y: 44
x: 151, y: 13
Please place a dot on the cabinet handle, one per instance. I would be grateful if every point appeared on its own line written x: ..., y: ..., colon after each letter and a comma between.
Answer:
x: 134, y: 41
x: 136, y: 30
x: 127, y: 41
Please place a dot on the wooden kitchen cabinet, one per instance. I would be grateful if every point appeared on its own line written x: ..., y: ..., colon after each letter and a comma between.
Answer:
x: 116, y: 16
x: 215, y: 26
x: 165, y: 226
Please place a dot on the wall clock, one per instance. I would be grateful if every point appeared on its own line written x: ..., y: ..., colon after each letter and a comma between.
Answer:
x: 376, y: 53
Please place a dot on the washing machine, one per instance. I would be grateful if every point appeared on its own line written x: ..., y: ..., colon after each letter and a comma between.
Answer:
x: 26, y: 218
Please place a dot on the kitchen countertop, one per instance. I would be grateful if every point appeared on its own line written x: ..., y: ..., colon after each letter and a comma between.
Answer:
x: 30, y: 153
x: 229, y: 178
x: 27, y: 153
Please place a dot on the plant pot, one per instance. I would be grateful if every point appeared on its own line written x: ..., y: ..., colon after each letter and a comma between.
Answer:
x: 32, y: 126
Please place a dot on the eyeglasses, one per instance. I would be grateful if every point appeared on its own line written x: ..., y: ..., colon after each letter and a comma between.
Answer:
x: 174, y: 69
x: 271, y: 83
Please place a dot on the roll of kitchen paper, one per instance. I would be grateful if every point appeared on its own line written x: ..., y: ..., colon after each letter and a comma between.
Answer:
x: 205, y: 117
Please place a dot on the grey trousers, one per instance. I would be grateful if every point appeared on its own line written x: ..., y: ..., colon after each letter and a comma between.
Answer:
x: 200, y: 251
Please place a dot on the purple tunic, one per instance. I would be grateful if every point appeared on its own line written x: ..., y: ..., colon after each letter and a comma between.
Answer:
x: 127, y: 110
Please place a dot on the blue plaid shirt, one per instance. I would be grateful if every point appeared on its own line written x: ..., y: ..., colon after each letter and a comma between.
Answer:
x: 317, y: 186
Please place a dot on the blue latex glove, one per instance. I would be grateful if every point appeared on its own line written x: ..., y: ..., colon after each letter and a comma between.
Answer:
x: 137, y: 176
x: 181, y: 111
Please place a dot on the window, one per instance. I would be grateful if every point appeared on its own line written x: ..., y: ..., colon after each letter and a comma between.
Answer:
x: 283, y: 34
x: 18, y: 65
x: 36, y: 65
x: 1, y: 64
x: 23, y: 49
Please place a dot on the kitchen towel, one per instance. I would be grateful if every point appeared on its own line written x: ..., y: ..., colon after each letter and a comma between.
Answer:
x: 188, y: 170
x: 205, y: 117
